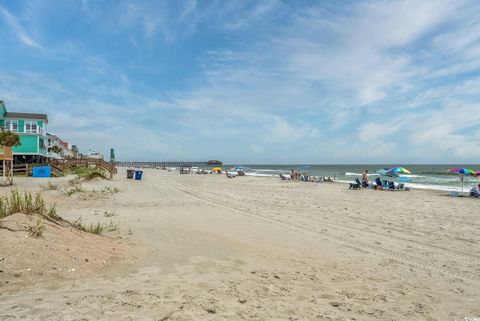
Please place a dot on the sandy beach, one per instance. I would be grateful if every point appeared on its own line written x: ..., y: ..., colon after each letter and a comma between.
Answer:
x: 204, y: 247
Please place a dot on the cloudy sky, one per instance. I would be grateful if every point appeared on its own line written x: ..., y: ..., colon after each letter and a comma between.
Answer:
x: 250, y: 81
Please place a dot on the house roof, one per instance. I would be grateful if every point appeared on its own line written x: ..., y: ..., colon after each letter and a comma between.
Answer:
x: 26, y: 115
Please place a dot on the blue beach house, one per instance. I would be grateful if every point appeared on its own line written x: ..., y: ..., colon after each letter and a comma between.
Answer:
x: 32, y: 129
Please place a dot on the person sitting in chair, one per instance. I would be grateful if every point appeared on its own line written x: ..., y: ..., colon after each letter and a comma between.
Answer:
x: 378, y: 181
x: 475, y: 192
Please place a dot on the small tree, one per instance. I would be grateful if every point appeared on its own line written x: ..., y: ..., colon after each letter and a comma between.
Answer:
x: 7, y: 138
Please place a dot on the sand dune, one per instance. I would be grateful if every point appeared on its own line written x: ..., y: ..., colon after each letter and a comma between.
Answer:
x: 252, y: 248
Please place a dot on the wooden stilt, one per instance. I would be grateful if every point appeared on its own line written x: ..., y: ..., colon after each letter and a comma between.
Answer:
x: 7, y: 158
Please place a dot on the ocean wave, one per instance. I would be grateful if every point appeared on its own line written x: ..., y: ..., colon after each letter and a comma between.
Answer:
x: 427, y: 187
x: 444, y: 188
x: 268, y: 170
x: 260, y: 175
x: 356, y: 174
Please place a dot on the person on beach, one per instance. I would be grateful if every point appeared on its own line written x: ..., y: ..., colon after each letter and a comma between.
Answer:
x: 365, y: 178
x: 475, y: 191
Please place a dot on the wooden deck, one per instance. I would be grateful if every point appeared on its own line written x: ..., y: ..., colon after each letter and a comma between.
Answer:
x: 59, y: 167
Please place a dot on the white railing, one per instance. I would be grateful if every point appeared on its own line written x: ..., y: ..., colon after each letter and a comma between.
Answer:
x: 38, y: 130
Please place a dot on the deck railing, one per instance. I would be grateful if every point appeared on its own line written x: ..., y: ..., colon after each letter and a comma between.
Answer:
x: 66, y: 164
x: 39, y: 130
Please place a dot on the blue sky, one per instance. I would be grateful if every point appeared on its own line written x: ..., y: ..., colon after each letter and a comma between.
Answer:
x: 250, y: 81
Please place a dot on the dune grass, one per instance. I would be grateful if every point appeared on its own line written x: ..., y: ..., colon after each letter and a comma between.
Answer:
x: 29, y: 204
x: 89, y: 173
x: 50, y: 186
x: 97, y: 228
x: 39, y: 227
x: 26, y: 203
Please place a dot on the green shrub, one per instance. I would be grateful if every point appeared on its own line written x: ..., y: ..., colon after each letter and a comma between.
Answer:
x: 89, y: 173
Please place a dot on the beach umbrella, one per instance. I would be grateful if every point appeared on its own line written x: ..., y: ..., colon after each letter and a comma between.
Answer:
x: 393, y: 172
x: 399, y: 170
x: 216, y: 169
x: 386, y: 172
x: 462, y: 171
x: 241, y: 168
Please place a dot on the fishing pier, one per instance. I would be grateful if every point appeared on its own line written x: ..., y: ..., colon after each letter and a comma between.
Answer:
x: 169, y: 164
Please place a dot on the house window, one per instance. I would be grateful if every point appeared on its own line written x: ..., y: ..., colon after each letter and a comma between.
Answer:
x: 42, y: 144
x: 12, y: 125
x: 31, y: 127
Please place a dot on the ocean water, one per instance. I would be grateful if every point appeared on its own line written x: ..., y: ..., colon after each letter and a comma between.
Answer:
x: 423, y: 176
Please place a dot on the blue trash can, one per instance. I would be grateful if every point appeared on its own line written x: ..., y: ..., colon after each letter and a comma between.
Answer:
x: 138, y: 175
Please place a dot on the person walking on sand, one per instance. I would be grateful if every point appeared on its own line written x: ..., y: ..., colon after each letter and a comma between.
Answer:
x: 365, y: 178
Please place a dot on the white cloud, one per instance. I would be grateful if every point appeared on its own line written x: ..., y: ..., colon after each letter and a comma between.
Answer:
x: 19, y: 30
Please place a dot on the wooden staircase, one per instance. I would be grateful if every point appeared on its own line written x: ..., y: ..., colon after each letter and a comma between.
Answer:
x: 66, y: 164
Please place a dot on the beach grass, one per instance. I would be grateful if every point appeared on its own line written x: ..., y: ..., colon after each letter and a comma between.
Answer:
x: 29, y: 204
x: 77, y: 188
x: 89, y: 173
x: 26, y: 203
x: 95, y: 228
x: 39, y: 227
x: 50, y: 186
x: 109, y: 213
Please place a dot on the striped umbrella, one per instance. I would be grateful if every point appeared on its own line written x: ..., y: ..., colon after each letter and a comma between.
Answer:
x: 393, y: 172
x: 399, y: 170
x: 462, y: 171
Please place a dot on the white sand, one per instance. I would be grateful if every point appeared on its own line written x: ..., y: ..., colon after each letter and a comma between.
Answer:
x: 263, y: 249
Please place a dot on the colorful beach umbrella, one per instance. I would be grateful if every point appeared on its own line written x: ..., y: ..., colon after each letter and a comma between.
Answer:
x: 385, y: 172
x: 241, y: 168
x: 393, y: 172
x: 462, y: 171
x: 399, y: 170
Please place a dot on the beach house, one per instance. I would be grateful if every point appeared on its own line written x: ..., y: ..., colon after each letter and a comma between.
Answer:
x: 32, y: 129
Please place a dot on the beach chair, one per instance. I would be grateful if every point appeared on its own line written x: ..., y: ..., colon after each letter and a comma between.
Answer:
x: 356, y: 185
x: 391, y: 186
x: 385, y: 184
x: 378, y: 182
x: 474, y: 193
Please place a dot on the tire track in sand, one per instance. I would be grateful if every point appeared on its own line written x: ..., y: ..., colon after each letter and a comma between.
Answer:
x: 354, y: 244
x: 333, y: 222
